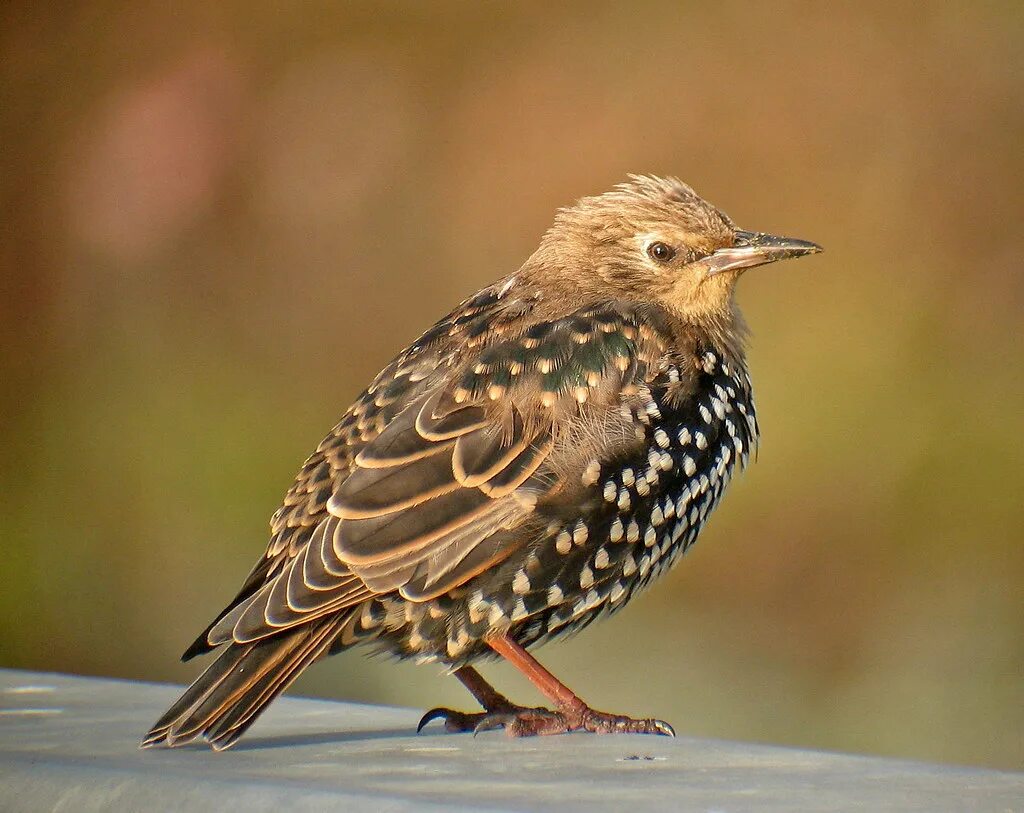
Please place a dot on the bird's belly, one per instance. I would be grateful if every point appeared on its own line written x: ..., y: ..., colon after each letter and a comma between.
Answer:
x: 633, y: 519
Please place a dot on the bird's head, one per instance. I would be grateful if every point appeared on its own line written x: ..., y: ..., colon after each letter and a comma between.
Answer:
x: 655, y: 240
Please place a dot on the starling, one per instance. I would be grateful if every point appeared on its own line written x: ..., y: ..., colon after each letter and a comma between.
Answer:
x: 527, y: 465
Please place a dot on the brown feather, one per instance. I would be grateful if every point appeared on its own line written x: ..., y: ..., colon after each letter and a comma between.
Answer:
x: 226, y: 699
x: 399, y: 443
x: 480, y: 455
x: 442, y: 555
x: 373, y: 492
x: 438, y: 420
x: 236, y: 719
x: 426, y: 584
x: 364, y: 541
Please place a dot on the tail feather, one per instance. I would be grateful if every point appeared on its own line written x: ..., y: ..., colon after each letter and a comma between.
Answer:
x: 201, y: 687
x: 231, y: 725
x: 232, y: 689
x: 235, y: 689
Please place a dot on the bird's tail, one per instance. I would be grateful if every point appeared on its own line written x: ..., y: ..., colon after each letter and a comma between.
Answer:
x: 235, y: 689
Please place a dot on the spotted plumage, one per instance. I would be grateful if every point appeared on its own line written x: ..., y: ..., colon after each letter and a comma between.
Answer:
x: 528, y: 464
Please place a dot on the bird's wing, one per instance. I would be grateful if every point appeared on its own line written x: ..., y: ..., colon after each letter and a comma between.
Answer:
x: 434, y: 495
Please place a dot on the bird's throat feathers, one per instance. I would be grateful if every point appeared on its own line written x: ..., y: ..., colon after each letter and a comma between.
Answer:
x: 712, y: 311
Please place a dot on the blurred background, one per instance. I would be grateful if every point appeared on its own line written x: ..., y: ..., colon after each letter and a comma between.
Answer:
x: 219, y: 220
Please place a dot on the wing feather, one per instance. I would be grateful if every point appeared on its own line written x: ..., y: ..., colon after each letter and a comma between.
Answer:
x: 427, y: 480
x: 364, y: 541
x: 480, y: 455
x: 383, y: 490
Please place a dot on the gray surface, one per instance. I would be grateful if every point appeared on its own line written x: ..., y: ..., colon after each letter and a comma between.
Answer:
x: 69, y: 743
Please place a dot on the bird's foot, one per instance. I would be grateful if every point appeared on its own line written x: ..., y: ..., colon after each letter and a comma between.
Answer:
x: 601, y: 722
x: 459, y: 721
x: 525, y: 723
x: 520, y: 721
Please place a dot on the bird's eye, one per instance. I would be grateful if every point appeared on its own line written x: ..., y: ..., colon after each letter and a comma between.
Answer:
x: 661, y: 252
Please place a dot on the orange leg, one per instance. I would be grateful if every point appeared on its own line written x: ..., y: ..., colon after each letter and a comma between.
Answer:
x: 570, y: 713
x: 492, y: 701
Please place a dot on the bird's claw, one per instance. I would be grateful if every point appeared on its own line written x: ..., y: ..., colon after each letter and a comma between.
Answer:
x: 454, y: 721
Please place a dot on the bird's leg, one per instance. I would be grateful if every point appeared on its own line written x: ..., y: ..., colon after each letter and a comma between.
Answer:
x: 570, y: 714
x: 489, y: 698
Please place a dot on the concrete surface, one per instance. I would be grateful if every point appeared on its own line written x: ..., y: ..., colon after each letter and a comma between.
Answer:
x: 70, y: 744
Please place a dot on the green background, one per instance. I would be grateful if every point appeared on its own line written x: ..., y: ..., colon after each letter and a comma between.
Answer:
x: 219, y: 220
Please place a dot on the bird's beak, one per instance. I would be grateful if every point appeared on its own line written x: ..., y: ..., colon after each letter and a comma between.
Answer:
x: 754, y: 248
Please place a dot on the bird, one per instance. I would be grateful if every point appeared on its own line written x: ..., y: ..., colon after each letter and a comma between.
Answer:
x: 531, y: 462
